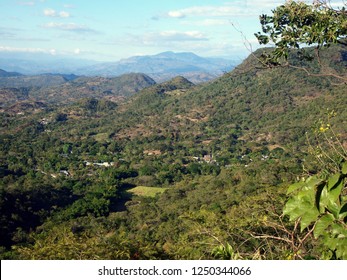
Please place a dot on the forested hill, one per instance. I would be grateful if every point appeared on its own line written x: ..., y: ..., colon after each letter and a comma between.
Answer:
x: 66, y: 89
x: 178, y: 171
x: 279, y: 103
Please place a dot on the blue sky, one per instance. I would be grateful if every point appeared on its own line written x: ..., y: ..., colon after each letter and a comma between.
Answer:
x: 108, y: 30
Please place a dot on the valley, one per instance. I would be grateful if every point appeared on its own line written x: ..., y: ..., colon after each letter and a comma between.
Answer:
x: 129, y: 168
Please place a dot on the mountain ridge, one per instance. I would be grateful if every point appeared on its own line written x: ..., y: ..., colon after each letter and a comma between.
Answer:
x: 5, y: 74
x: 164, y: 66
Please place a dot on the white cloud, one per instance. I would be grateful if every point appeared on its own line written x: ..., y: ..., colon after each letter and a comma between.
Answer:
x: 63, y: 14
x: 53, y: 13
x: 182, y: 36
x: 208, y: 22
x: 214, y: 11
x: 265, y: 4
x: 31, y: 3
x: 69, y: 6
x: 73, y: 27
x: 176, y: 14
x: 49, y: 13
x: 26, y: 50
x: 231, y: 9
x: 167, y: 37
x: 53, y: 51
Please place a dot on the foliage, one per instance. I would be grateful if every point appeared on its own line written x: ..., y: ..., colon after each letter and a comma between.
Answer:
x: 296, y: 23
x: 321, y: 205
x: 225, y: 252
x: 86, y: 238
x: 317, y: 203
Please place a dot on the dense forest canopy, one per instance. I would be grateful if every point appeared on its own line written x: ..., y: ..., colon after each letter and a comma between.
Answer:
x: 249, y: 166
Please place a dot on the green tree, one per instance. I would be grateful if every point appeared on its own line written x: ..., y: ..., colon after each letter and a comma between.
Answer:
x: 296, y: 24
x: 60, y: 117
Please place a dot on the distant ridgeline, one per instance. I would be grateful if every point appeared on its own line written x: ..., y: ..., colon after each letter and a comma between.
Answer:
x: 79, y: 156
x: 161, y: 67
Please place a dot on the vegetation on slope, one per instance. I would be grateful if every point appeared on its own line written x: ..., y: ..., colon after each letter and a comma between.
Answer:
x: 223, y: 153
x: 66, y: 89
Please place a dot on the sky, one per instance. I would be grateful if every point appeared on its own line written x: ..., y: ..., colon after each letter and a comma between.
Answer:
x: 109, y: 30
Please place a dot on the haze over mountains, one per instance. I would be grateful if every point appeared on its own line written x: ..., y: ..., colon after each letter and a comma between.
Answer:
x: 164, y: 66
x: 160, y: 67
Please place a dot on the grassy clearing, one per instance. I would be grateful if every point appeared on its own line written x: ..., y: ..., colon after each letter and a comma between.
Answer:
x: 101, y: 137
x: 147, y: 191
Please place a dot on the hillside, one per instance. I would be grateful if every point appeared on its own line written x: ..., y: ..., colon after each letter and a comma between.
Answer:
x: 69, y: 88
x: 115, y: 89
x: 8, y: 96
x: 16, y: 80
x: 261, y: 103
x: 218, y: 156
x: 4, y: 73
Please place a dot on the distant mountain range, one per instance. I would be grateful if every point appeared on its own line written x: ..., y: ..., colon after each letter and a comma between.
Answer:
x: 164, y: 66
x: 160, y: 67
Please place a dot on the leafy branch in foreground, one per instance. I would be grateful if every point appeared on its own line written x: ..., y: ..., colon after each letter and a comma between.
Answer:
x: 319, y: 203
x: 296, y: 24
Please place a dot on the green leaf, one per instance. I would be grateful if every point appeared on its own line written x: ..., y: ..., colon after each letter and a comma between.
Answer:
x: 313, y: 181
x: 295, y: 187
x: 339, y: 231
x: 330, y: 200
x: 344, y: 168
x: 292, y: 209
x: 341, y: 250
x: 301, y: 208
x: 308, y: 217
x: 318, y: 196
x: 336, y: 192
x: 322, y: 224
x: 334, y: 209
x: 343, y: 211
x: 333, y: 180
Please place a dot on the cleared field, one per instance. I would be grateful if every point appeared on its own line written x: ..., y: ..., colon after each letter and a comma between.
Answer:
x: 101, y: 137
x: 147, y: 191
